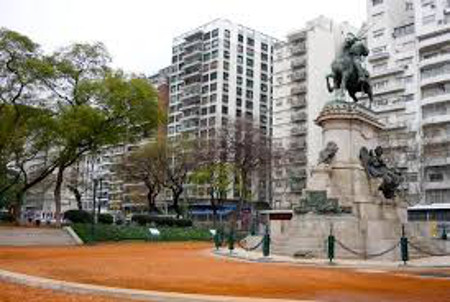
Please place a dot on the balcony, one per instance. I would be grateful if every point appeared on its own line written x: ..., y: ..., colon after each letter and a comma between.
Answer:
x: 298, y: 130
x: 299, y: 159
x: 437, y: 139
x: 397, y: 86
x: 294, y: 146
x: 442, y: 159
x: 434, y: 60
x: 445, y: 77
x: 297, y: 173
x: 386, y: 72
x: 298, y: 62
x: 298, y: 90
x: 301, y: 35
x: 298, y: 116
x: 379, y: 56
x: 298, y: 49
x: 440, y: 119
x: 297, y: 187
x: 298, y: 76
x: 442, y: 98
x: 298, y: 102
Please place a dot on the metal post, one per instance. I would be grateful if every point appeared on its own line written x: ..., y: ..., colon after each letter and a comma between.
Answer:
x: 217, y: 239
x: 266, y: 243
x: 330, y: 245
x: 231, y: 241
x: 94, y: 193
x: 404, y: 246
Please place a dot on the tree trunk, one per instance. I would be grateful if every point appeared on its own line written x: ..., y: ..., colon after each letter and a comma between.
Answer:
x: 151, y: 197
x: 213, y: 206
x: 16, y: 208
x: 57, y: 195
x: 78, y: 199
x: 176, y: 197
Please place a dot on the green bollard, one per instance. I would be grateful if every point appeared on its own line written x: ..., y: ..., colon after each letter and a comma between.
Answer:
x: 404, y: 247
x: 217, y: 240
x: 444, y: 234
x: 266, y: 243
x: 331, y: 242
x: 231, y: 241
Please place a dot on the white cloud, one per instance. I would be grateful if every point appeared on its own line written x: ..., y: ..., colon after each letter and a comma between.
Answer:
x: 138, y: 33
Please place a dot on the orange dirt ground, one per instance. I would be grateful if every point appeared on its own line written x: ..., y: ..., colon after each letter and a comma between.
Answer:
x: 14, y: 293
x: 189, y: 268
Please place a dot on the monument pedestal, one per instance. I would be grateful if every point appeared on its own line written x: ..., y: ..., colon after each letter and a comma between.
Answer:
x: 341, y: 196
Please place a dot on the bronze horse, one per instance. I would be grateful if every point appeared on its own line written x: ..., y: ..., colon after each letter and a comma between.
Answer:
x: 347, y: 72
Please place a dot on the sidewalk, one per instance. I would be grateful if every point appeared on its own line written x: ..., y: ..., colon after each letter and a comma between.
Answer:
x: 134, y: 294
x: 256, y: 256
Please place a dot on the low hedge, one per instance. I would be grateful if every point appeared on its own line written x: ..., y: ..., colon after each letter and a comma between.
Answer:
x: 78, y: 216
x: 104, y: 232
x: 6, y: 217
x: 105, y: 218
x: 159, y: 221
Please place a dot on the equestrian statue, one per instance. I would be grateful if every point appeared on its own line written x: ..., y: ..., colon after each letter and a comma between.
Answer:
x: 347, y: 71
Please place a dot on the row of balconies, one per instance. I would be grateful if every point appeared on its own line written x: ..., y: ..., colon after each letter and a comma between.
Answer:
x: 301, y: 35
x: 297, y: 145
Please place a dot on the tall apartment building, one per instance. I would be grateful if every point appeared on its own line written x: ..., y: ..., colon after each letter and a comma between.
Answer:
x: 299, y: 93
x: 410, y: 68
x: 221, y: 72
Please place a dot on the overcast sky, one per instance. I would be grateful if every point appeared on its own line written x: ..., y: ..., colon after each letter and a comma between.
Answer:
x: 138, y: 33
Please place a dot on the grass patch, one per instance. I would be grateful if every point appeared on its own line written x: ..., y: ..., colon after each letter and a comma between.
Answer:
x: 103, y: 232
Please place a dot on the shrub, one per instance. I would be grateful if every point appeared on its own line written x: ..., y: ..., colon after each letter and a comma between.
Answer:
x: 6, y: 217
x: 160, y: 221
x: 78, y: 216
x: 105, y: 218
x: 103, y: 232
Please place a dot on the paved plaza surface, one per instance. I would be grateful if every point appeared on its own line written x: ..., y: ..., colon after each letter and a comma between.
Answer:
x: 14, y: 236
x: 193, y: 268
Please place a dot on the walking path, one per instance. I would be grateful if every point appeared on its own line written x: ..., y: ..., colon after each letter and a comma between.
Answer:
x: 133, y: 294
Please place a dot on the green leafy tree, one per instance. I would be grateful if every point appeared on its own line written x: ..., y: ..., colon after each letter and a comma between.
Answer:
x: 96, y: 107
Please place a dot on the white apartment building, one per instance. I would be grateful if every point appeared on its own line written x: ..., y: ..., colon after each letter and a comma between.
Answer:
x: 221, y: 72
x: 299, y: 93
x: 410, y: 69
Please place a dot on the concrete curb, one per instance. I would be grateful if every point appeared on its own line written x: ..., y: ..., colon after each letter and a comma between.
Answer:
x: 134, y: 294
x: 74, y: 235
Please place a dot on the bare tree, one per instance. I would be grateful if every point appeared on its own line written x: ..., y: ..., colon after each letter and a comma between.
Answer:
x: 247, y: 148
x: 146, y: 166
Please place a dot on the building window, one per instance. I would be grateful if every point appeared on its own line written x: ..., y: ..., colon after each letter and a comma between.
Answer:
x: 250, y: 41
x: 250, y: 62
x: 240, y: 59
x: 239, y: 80
x: 240, y: 38
x: 240, y: 69
x: 227, y: 33
x: 226, y: 54
x: 264, y: 47
x: 213, y: 87
x: 212, y: 109
x: 224, y: 110
x: 215, y: 33
x: 249, y: 72
x: 376, y: 2
x: 213, y: 76
x: 403, y: 30
x: 226, y: 66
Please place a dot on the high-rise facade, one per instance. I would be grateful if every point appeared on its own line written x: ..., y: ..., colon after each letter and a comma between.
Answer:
x: 300, y: 66
x: 409, y: 43
x: 221, y: 72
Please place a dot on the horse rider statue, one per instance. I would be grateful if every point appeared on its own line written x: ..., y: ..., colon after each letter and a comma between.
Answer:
x: 347, y: 71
